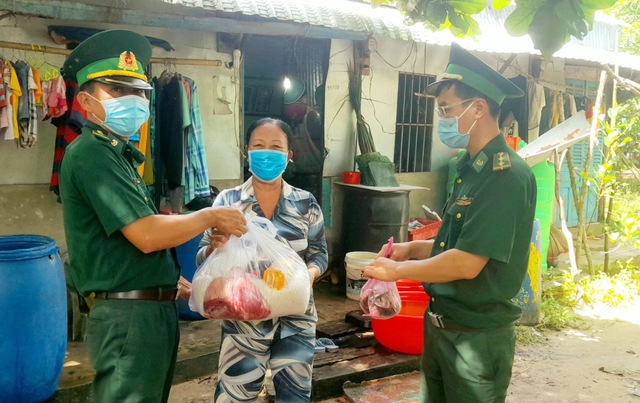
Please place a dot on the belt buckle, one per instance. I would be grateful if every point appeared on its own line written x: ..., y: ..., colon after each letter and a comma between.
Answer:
x: 436, y: 320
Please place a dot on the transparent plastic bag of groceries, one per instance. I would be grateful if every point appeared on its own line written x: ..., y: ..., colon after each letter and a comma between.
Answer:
x: 380, y: 299
x: 254, y: 277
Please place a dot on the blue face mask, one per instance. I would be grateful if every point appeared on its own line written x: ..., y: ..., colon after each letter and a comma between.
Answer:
x: 267, y: 165
x: 449, y: 133
x: 124, y: 115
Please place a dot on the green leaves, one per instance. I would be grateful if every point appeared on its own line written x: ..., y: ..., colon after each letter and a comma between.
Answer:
x: 548, y: 32
x: 517, y: 24
x: 598, y: 4
x: 550, y: 23
x: 500, y: 4
x: 467, y: 6
x: 438, y: 12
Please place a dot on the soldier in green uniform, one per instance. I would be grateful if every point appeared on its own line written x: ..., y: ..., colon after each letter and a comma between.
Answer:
x: 118, y: 244
x: 478, y: 261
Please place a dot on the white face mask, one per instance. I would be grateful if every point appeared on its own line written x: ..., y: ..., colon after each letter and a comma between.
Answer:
x: 124, y: 115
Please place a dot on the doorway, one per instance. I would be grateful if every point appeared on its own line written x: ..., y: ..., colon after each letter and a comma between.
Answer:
x: 284, y: 78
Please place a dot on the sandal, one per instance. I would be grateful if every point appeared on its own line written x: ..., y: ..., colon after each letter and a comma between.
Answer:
x: 325, y: 344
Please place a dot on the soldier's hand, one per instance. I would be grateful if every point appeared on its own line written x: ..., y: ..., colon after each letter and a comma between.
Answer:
x: 229, y: 220
x: 399, y: 251
x: 382, y: 269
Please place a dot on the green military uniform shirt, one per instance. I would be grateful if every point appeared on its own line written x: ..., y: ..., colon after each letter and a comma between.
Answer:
x: 101, y: 193
x: 490, y: 213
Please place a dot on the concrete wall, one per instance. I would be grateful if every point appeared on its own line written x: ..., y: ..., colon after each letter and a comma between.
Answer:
x: 389, y: 57
x: 26, y: 205
x: 30, y: 208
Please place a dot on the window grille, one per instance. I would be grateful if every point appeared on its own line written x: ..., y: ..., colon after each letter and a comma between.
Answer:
x: 414, y: 124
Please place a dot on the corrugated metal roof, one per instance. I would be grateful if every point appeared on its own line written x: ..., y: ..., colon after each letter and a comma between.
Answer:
x: 343, y: 15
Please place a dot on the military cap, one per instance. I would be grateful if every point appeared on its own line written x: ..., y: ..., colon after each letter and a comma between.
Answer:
x: 116, y: 57
x: 466, y: 68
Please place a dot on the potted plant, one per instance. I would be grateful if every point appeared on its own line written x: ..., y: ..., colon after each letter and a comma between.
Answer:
x: 375, y: 168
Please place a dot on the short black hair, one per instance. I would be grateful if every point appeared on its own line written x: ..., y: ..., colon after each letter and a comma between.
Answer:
x: 270, y: 121
x: 466, y: 92
x: 88, y: 86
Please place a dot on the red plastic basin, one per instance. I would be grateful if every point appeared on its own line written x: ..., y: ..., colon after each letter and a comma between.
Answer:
x: 409, y: 285
x: 404, y: 332
x: 414, y: 296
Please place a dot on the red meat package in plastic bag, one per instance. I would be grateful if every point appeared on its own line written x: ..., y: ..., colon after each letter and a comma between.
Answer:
x: 254, y: 277
x: 380, y: 299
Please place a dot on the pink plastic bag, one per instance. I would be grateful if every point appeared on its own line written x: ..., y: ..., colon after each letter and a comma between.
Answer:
x: 380, y: 299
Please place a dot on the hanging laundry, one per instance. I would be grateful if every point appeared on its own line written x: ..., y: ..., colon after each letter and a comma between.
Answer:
x: 196, y: 172
x: 177, y: 142
x: 4, y: 115
x: 38, y: 91
x: 32, y: 127
x: 14, y: 93
x: 68, y: 128
x: 537, y: 102
x: 57, y: 101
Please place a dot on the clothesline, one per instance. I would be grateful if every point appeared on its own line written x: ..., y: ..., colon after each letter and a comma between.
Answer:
x: 154, y: 60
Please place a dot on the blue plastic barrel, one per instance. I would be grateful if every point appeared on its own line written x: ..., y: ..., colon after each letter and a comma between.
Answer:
x: 186, y: 254
x: 33, y: 329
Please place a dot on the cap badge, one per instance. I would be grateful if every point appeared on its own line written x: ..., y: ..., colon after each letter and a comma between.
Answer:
x: 127, y: 61
x: 451, y: 76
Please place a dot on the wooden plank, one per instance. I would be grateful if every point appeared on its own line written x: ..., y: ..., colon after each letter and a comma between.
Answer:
x: 404, y: 388
x: 343, y: 354
x: 336, y: 329
x: 328, y: 380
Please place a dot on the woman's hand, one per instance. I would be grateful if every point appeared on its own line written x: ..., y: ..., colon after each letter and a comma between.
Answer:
x: 184, y: 288
x: 218, y: 240
x: 314, y: 272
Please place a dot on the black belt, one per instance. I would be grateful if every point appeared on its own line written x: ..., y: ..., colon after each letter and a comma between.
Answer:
x: 149, y: 294
x: 442, y: 323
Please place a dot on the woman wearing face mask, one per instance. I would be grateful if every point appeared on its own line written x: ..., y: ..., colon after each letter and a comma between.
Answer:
x: 285, y: 344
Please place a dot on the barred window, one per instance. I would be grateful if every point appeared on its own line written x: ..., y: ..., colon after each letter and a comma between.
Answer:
x: 414, y: 124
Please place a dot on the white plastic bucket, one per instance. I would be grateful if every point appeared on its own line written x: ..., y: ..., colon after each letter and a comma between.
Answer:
x: 355, y: 263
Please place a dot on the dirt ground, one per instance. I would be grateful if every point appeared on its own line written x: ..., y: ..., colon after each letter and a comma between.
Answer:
x: 600, y: 363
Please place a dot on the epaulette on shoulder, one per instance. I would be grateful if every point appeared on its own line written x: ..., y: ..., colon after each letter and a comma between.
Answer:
x: 99, y: 134
x: 501, y: 161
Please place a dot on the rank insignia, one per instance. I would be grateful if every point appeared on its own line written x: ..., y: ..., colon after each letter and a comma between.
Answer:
x: 463, y: 201
x: 114, y: 142
x: 501, y: 161
x: 480, y: 161
x: 128, y: 61
x: 98, y: 133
